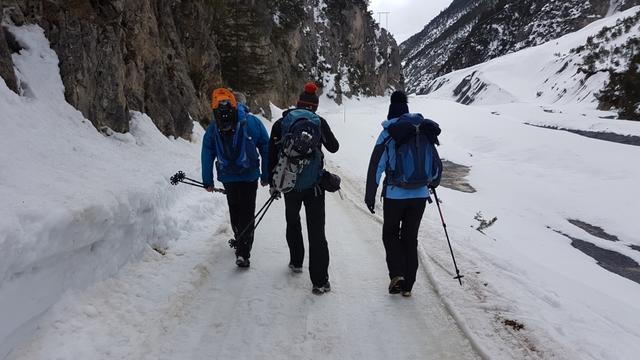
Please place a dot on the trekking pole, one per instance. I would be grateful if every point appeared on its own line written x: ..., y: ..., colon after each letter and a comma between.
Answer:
x: 180, y: 177
x: 444, y: 225
x: 233, y: 243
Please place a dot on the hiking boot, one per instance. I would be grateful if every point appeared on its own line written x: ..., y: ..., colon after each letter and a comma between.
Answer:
x: 295, y: 269
x: 319, y: 290
x: 406, y: 293
x: 395, y: 286
x: 242, y: 262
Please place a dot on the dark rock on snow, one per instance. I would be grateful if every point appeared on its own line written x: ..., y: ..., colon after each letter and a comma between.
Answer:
x: 6, y: 64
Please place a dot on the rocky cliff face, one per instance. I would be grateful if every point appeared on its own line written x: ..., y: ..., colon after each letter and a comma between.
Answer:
x: 6, y: 66
x: 283, y: 43
x: 473, y: 32
x: 164, y: 57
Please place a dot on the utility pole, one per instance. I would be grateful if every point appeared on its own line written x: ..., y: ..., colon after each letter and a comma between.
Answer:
x: 386, y: 15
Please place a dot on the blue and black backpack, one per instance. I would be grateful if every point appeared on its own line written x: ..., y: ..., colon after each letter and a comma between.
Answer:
x: 414, y: 162
x: 300, y: 160
x: 237, y: 155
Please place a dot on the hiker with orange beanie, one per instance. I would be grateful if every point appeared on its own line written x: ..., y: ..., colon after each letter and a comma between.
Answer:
x: 240, y: 144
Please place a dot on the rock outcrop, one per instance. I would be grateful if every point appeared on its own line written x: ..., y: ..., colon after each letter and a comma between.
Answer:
x: 283, y: 43
x: 6, y: 65
x: 117, y: 56
x: 164, y: 57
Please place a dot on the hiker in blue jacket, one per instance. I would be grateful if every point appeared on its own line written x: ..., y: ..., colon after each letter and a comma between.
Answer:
x: 234, y: 138
x: 405, y: 152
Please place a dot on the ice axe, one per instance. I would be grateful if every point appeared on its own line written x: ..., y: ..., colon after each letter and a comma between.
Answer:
x: 180, y: 177
x: 444, y: 225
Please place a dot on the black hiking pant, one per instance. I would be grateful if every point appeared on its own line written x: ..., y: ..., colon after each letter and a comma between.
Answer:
x: 400, y: 236
x: 313, y: 201
x: 241, y: 197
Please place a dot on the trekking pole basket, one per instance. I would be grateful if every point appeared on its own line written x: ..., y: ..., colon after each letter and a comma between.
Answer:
x: 181, y: 177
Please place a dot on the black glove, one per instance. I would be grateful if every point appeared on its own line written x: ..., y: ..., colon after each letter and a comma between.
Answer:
x: 274, y: 193
x: 371, y: 205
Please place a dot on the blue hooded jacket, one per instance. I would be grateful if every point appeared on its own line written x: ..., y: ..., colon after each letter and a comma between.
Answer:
x: 383, y: 153
x: 257, y: 133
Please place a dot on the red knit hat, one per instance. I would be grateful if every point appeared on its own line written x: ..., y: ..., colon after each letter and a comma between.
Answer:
x: 308, y: 99
x: 310, y: 88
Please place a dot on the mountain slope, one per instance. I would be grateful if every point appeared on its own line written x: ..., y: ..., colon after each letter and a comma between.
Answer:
x: 470, y: 33
x: 594, y: 68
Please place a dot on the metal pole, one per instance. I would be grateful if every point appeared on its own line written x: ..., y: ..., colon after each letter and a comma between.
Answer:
x: 444, y: 225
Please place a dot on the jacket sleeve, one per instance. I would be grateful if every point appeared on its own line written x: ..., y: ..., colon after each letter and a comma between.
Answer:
x: 328, y: 138
x: 377, y: 166
x: 276, y: 134
x: 262, y: 143
x: 208, y: 156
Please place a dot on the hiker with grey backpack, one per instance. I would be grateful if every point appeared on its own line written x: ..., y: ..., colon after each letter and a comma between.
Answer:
x: 405, y: 152
x: 296, y: 164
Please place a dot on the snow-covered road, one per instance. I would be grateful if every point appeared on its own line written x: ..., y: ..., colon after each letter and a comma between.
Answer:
x: 216, y: 311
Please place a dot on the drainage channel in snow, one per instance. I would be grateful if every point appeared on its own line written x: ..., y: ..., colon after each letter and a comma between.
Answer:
x: 593, y: 230
x: 598, y: 135
x: 607, y: 259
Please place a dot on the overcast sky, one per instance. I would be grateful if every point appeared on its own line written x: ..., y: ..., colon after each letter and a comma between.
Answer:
x: 407, y: 16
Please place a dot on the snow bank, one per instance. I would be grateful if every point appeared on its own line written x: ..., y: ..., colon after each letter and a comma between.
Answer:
x: 77, y: 205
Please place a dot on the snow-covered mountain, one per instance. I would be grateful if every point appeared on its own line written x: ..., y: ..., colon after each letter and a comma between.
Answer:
x: 163, y: 58
x: 594, y: 68
x: 473, y: 32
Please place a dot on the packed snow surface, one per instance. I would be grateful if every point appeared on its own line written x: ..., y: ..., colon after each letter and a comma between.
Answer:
x: 194, y: 303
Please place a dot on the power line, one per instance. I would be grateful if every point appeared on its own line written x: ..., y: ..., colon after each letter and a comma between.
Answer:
x: 386, y: 14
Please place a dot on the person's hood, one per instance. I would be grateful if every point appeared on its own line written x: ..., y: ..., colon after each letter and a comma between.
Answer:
x: 243, y: 111
x: 286, y: 112
x: 387, y: 123
x: 428, y: 127
x: 412, y: 117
